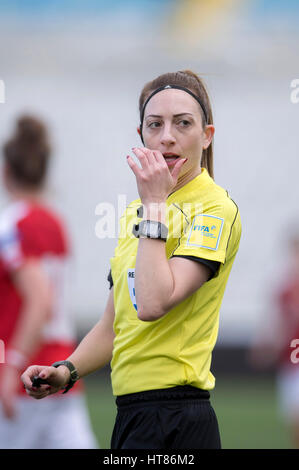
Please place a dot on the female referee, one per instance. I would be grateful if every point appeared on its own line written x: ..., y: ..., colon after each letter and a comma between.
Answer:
x: 176, y: 248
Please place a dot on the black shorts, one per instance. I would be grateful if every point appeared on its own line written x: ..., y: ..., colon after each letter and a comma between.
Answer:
x: 174, y: 418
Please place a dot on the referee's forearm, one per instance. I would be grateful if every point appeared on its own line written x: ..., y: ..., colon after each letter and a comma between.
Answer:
x: 94, y: 351
x: 154, y: 282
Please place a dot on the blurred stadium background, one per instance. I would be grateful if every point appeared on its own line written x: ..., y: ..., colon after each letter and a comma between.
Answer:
x: 81, y: 65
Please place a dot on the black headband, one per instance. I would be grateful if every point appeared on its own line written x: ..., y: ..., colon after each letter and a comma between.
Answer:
x: 166, y: 87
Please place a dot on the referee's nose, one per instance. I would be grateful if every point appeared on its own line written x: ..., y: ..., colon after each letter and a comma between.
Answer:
x: 167, y: 137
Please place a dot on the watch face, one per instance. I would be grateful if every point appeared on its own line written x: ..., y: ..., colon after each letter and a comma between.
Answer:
x: 153, y: 230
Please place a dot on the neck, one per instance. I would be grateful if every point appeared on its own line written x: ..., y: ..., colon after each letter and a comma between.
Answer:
x: 186, y: 177
x: 26, y: 195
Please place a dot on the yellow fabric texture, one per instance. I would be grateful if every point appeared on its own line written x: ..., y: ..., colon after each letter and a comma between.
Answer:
x: 176, y: 349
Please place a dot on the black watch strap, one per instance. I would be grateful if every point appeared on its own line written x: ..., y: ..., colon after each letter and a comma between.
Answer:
x: 73, y: 371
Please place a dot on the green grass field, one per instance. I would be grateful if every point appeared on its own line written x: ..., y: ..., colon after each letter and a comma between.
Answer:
x: 246, y: 410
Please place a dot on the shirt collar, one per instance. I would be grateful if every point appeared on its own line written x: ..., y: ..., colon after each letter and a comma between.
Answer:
x: 196, y: 184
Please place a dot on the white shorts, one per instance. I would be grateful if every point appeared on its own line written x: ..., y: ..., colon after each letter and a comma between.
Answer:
x: 55, y: 422
x: 288, y: 392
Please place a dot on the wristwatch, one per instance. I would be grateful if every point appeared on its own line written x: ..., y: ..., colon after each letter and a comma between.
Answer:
x: 73, y: 371
x: 140, y: 212
x: 150, y: 229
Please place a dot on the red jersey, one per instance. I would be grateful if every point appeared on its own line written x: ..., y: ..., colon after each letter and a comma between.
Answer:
x: 30, y: 230
x: 288, y: 301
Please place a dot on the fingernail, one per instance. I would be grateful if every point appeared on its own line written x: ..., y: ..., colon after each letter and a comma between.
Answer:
x: 42, y: 376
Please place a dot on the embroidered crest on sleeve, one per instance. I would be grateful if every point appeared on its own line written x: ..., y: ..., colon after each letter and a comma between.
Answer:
x: 205, y: 231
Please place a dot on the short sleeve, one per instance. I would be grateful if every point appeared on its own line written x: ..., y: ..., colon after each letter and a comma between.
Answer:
x: 207, y: 234
x: 212, y: 265
x: 11, y: 252
x: 18, y: 236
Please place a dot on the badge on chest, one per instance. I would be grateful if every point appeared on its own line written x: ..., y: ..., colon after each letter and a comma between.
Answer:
x: 131, y: 286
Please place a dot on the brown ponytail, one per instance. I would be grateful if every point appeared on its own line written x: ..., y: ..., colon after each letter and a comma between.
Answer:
x: 27, y: 153
x: 194, y: 83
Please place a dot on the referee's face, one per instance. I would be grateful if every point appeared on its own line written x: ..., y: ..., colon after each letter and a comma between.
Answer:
x: 173, y: 125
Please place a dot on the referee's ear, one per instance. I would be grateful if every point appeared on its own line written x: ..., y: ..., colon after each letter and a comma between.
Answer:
x: 140, y: 134
x: 209, y: 132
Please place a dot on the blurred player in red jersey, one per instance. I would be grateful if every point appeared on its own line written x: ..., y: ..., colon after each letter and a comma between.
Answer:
x: 288, y: 328
x: 276, y: 344
x: 34, y: 325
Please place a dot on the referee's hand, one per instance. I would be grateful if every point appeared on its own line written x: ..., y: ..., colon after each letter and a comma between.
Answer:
x: 56, y: 377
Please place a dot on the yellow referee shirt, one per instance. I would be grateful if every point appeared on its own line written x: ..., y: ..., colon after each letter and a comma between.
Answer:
x: 203, y: 222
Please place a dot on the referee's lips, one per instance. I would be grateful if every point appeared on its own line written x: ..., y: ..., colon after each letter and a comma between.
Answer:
x: 170, y: 158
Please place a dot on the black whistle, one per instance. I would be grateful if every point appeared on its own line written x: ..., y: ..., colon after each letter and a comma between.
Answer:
x: 37, y: 381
